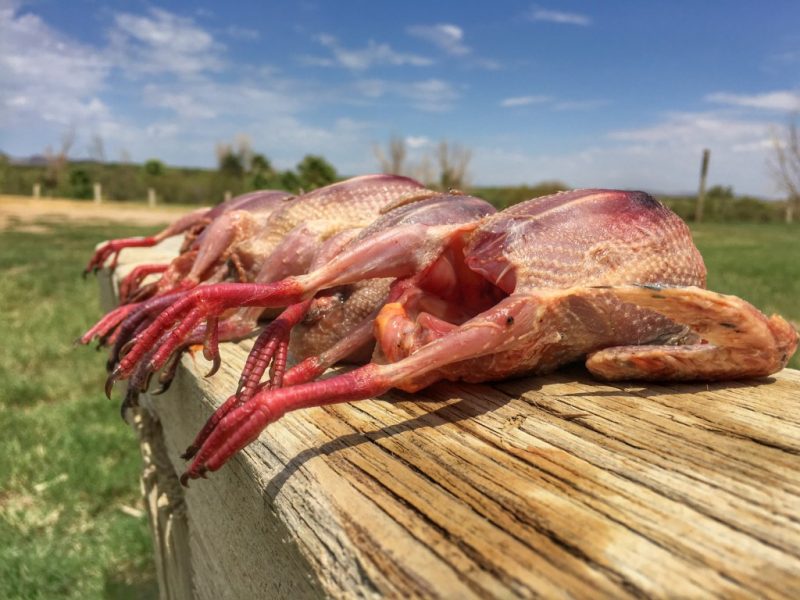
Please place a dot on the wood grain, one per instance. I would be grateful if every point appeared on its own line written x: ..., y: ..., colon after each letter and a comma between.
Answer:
x: 557, y: 486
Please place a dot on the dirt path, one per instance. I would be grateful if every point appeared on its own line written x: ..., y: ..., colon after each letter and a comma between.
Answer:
x: 27, y: 210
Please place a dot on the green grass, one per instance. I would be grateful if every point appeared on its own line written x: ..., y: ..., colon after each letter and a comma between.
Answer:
x: 67, y: 462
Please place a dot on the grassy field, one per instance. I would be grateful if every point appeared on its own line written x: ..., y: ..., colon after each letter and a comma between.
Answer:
x: 758, y: 262
x: 68, y: 465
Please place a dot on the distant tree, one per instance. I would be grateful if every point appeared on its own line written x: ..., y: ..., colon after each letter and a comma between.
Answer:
x: 394, y: 159
x: 289, y: 181
x: 262, y: 175
x: 57, y: 160
x: 314, y: 172
x: 445, y: 168
x: 453, y: 165
x: 230, y: 165
x: 234, y: 159
x: 123, y: 180
x: 96, y: 149
x: 80, y: 183
x: 721, y: 191
x: 260, y: 163
x: 785, y: 165
x: 4, y: 163
x: 153, y: 168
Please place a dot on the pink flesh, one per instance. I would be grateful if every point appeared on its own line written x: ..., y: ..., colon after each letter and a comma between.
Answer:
x: 567, y: 262
x: 411, y: 241
x: 260, y: 242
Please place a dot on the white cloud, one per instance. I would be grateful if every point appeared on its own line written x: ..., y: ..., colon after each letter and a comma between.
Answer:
x: 361, y: 59
x: 661, y: 157
x: 417, y: 141
x: 780, y: 100
x: 181, y: 102
x: 202, y: 100
x: 523, y: 101
x: 556, y: 16
x: 45, y: 75
x: 431, y: 95
x: 446, y: 36
x: 694, y: 130
x: 162, y: 42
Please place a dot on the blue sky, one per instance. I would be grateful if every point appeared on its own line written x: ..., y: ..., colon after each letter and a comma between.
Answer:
x: 596, y: 94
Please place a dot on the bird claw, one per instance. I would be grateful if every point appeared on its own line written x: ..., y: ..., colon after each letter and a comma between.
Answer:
x: 193, y: 473
x: 190, y: 451
x: 217, y: 363
x: 111, y: 380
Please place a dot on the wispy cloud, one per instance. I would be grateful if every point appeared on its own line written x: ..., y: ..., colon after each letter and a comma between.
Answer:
x: 780, y: 100
x: 661, y: 157
x: 430, y: 95
x: 417, y: 141
x: 560, y: 17
x: 517, y: 101
x: 162, y: 42
x: 552, y: 103
x: 46, y: 74
x: 691, y: 129
x: 364, y: 58
x: 446, y: 36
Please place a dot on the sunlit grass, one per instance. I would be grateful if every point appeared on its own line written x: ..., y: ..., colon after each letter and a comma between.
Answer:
x: 67, y: 462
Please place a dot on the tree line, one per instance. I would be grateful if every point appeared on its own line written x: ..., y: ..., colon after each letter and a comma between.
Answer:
x: 446, y: 166
x: 239, y: 169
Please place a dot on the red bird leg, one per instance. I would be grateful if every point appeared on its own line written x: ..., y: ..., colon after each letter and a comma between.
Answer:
x: 134, y: 323
x: 112, y: 248
x: 243, y: 424
x: 133, y: 280
x: 106, y: 325
x: 481, y: 335
x: 390, y: 253
x: 308, y: 369
x: 272, y: 341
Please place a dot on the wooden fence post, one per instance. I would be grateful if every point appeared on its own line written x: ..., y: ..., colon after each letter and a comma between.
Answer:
x: 37, y: 190
x: 228, y: 195
x: 701, y: 194
x: 151, y: 197
x: 98, y: 193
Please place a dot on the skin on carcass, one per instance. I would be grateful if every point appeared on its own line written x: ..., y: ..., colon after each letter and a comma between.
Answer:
x: 336, y: 325
x: 310, y: 327
x: 607, y: 275
x: 286, y: 245
x: 206, y: 253
x: 283, y: 244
